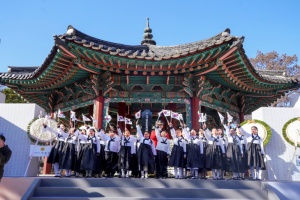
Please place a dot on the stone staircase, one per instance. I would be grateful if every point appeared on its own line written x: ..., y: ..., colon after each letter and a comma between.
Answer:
x: 140, y: 189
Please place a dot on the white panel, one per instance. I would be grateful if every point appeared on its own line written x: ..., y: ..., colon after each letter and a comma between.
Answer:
x: 2, y: 97
x: 278, y: 149
x: 14, y: 119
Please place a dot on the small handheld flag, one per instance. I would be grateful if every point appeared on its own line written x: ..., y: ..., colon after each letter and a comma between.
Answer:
x: 138, y: 115
x: 159, y: 114
x: 128, y: 121
x: 94, y: 120
x: 85, y: 119
x: 175, y: 115
x: 120, y: 118
x: 60, y: 114
x: 202, y: 117
x: 166, y: 113
x: 180, y: 117
x: 229, y: 117
x: 73, y: 116
x: 108, y: 118
x: 221, y: 117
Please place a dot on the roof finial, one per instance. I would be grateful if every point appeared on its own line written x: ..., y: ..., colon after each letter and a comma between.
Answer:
x: 147, y: 22
x: 148, y: 35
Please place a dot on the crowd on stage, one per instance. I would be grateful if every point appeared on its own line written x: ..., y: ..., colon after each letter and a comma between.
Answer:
x: 92, y: 152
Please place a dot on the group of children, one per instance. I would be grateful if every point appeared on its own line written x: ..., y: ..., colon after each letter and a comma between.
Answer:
x: 90, y: 151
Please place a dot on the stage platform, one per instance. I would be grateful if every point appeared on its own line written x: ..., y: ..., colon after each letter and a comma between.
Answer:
x: 42, y: 188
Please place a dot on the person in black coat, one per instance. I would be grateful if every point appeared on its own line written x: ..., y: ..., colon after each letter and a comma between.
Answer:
x: 5, y: 154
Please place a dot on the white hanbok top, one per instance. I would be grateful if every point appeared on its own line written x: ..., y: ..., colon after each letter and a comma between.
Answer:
x: 178, y: 141
x: 144, y: 140
x: 90, y: 139
x: 255, y: 139
x: 233, y: 139
x: 193, y: 139
x: 163, y: 143
x: 127, y: 141
x: 211, y: 139
x: 111, y: 144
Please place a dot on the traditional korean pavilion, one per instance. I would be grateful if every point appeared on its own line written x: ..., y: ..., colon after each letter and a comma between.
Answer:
x: 97, y: 77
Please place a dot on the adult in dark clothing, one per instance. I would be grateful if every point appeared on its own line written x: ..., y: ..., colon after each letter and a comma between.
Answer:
x: 5, y: 154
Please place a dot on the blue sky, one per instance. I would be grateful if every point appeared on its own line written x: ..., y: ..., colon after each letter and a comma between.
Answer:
x: 27, y: 27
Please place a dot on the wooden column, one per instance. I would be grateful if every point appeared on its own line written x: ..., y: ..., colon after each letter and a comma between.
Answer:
x: 172, y: 107
x: 122, y: 112
x: 91, y: 111
x: 98, y: 115
x: 241, y: 115
x: 195, y: 109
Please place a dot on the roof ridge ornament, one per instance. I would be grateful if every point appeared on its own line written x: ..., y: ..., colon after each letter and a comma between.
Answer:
x: 226, y: 33
x: 71, y: 30
x: 148, y: 35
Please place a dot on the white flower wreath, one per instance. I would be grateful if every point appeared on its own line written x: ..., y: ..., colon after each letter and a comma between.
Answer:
x: 38, y: 132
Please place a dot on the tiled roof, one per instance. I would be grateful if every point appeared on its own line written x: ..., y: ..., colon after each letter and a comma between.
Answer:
x: 149, y: 52
x: 29, y: 72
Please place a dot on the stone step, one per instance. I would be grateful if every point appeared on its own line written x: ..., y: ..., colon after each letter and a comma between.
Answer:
x: 150, y: 183
x: 151, y: 193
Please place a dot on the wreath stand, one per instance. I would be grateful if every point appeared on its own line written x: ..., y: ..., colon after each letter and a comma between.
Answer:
x: 294, y: 154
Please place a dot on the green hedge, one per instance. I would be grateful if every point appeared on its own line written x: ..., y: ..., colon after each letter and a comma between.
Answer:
x: 284, y: 131
x: 268, y: 128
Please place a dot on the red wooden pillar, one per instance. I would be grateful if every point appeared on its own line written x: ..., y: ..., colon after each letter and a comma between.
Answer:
x: 241, y: 115
x: 195, y: 109
x: 172, y: 107
x: 91, y: 111
x: 98, y: 115
x: 122, y: 112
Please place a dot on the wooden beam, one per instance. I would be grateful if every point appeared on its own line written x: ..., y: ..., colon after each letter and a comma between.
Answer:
x: 87, y: 69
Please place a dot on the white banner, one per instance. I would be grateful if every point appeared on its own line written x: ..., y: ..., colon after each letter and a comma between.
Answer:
x: 39, y: 151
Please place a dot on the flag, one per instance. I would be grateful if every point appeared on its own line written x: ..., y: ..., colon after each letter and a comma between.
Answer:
x: 166, y: 113
x: 175, y: 115
x: 199, y: 114
x: 94, y: 120
x: 128, y: 121
x: 73, y: 115
x: 221, y: 117
x: 138, y: 115
x: 202, y: 117
x: 60, y: 114
x: 85, y: 119
x: 108, y: 118
x: 159, y: 114
x: 120, y: 118
x: 180, y: 117
x: 229, y: 117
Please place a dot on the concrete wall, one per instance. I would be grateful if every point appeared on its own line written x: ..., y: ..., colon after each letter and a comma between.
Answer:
x: 2, y: 97
x: 279, y: 151
x: 14, y: 119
